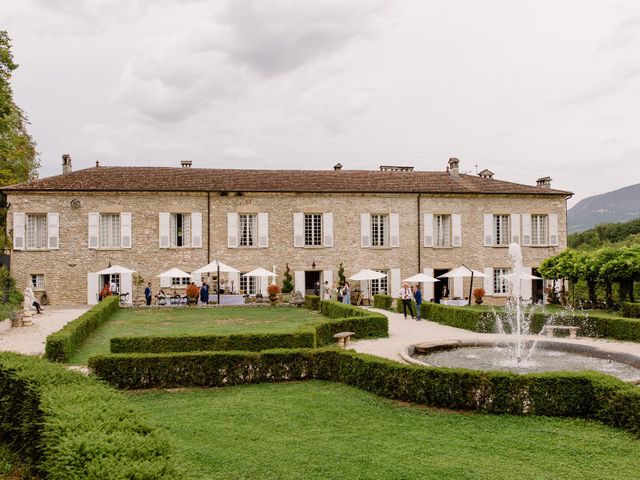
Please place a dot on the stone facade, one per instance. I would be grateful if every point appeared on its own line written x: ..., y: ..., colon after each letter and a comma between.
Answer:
x: 65, y: 269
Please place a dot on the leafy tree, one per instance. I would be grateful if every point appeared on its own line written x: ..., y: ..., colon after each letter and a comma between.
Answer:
x: 18, y: 158
x: 606, y: 234
x: 623, y: 268
x: 341, y: 278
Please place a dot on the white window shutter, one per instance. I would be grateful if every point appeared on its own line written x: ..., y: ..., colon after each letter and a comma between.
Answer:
x: 327, y: 227
x: 94, y: 219
x: 53, y: 227
x: 263, y: 230
x: 526, y: 285
x: 232, y: 230
x: 394, y: 227
x: 18, y: 231
x: 428, y: 229
x: 365, y: 230
x: 196, y: 229
x: 126, y: 286
x: 427, y: 287
x: 165, y: 282
x: 456, y: 226
x: 488, y: 229
x: 163, y: 225
x: 458, y: 287
x: 488, y: 281
x: 125, y: 230
x: 298, y: 230
x: 93, y: 289
x: 553, y: 229
x: 298, y: 278
x: 327, y: 276
x: 515, y: 228
x: 526, y: 229
x: 395, y: 282
x: 197, y: 279
x: 263, y: 283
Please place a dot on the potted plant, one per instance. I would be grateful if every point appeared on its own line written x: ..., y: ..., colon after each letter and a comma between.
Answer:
x: 192, y: 294
x: 478, y: 293
x: 273, y: 290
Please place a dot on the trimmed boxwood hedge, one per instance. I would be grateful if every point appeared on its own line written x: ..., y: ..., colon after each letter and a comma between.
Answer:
x: 62, y: 344
x: 591, y: 325
x: 193, y: 343
x: 584, y: 395
x: 66, y: 425
x: 341, y: 318
x: 382, y: 301
x: 631, y: 310
x: 312, y: 302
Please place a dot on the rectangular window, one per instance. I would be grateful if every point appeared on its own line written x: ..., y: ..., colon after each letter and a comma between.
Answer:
x: 442, y: 230
x: 180, y: 281
x: 247, y: 229
x: 36, y: 231
x: 37, y: 281
x: 312, y: 229
x: 248, y: 284
x: 379, y: 230
x: 109, y: 230
x: 501, y: 234
x: 379, y: 287
x: 539, y: 230
x: 500, y: 282
x: 180, y: 224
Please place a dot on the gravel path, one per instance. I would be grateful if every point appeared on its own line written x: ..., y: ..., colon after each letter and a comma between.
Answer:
x: 404, y: 333
x: 31, y: 340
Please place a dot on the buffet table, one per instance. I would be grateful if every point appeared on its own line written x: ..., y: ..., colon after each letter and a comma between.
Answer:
x: 227, y: 299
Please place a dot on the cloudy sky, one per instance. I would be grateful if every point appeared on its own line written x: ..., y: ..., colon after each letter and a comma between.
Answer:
x: 524, y: 88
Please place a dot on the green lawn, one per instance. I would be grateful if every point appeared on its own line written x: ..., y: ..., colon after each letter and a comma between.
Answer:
x: 193, y: 321
x: 320, y: 430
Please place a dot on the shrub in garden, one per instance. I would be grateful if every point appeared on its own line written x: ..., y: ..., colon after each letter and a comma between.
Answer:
x: 631, y: 310
x: 382, y: 301
x: 312, y: 302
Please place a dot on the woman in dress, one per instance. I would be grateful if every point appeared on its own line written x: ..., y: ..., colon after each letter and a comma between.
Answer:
x: 346, y: 293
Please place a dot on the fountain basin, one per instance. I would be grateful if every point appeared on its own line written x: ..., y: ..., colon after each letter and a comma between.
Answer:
x: 550, y: 356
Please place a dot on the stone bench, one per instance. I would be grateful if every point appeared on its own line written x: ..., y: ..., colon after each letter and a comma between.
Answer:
x: 343, y: 338
x: 549, y: 330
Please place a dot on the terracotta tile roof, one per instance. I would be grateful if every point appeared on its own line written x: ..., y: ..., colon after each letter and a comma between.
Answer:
x: 164, y: 179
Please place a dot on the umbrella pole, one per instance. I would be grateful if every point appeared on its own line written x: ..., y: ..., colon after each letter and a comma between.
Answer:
x: 470, y: 288
x: 218, y: 289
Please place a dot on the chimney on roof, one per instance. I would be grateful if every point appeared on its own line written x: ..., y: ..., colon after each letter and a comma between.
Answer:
x: 186, y: 163
x: 544, y: 182
x: 66, y: 164
x: 485, y: 174
x: 337, y: 166
x: 453, y: 168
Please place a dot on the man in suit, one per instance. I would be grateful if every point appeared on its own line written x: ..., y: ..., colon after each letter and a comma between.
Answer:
x: 417, y: 295
x: 147, y: 294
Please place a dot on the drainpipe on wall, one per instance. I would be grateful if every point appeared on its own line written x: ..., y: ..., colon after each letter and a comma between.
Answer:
x: 209, y: 227
x: 419, y: 243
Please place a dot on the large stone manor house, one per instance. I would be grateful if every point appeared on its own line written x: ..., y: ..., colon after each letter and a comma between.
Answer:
x: 397, y: 220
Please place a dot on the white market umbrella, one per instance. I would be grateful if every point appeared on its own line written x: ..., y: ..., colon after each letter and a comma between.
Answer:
x: 463, y: 272
x: 115, y: 270
x: 367, y: 275
x: 259, y: 272
x: 421, y: 277
x: 174, y: 273
x: 216, y: 267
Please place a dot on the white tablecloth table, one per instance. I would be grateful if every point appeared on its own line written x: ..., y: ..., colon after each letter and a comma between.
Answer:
x: 226, y: 299
x: 456, y: 303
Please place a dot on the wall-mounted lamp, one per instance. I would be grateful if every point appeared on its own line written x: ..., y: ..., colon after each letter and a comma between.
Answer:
x: 313, y: 265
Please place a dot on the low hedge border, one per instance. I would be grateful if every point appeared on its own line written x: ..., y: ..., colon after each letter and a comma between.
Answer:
x: 62, y: 344
x: 312, y: 302
x: 66, y: 425
x: 382, y: 301
x: 583, y: 395
x: 591, y: 324
x: 341, y: 317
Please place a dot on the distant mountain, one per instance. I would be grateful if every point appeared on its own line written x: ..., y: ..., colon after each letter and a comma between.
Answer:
x: 618, y: 206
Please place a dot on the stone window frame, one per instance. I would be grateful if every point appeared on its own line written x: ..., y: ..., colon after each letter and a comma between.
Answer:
x: 376, y: 285
x: 313, y: 229
x: 501, y: 239
x: 247, y: 230
x: 500, y: 284
x: 383, y: 223
x: 114, y: 237
x: 173, y: 230
x: 37, y: 281
x: 442, y: 234
x: 539, y: 229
